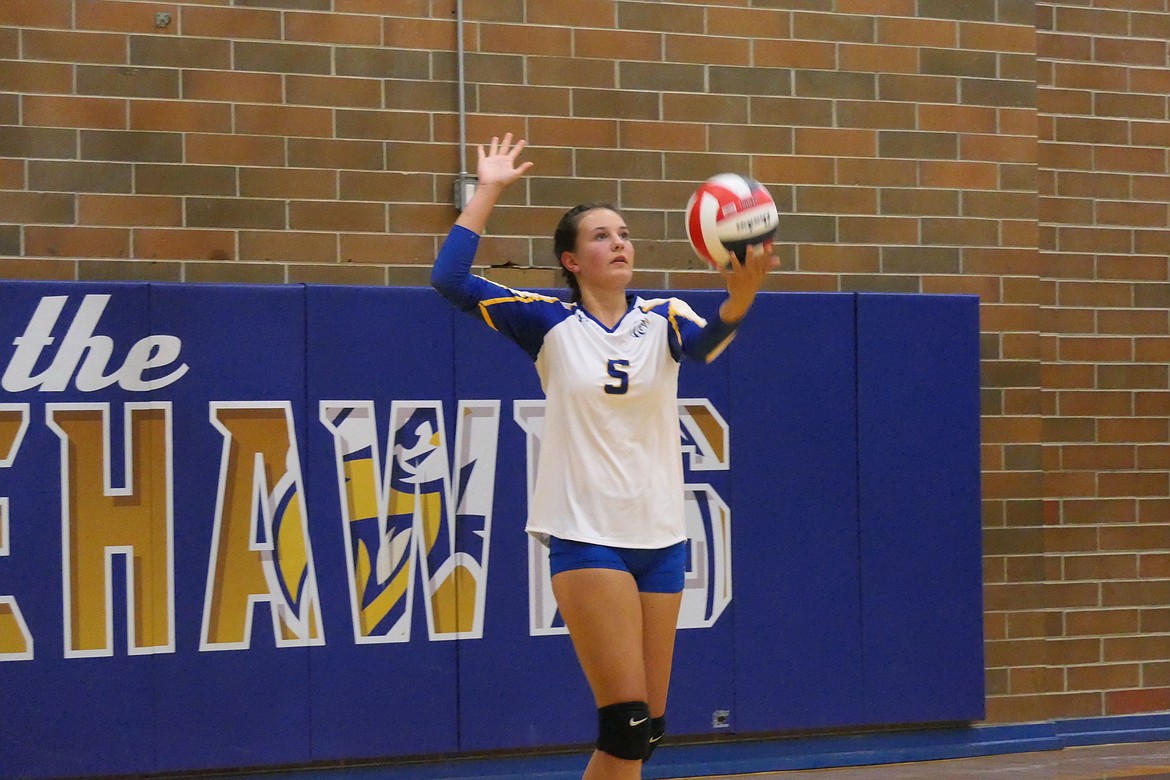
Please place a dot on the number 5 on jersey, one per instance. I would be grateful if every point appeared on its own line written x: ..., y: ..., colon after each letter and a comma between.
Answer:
x: 619, y: 370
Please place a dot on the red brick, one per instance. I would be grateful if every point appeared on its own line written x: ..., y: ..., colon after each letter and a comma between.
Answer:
x: 129, y: 210
x: 997, y: 37
x: 876, y: 172
x: 116, y: 16
x: 762, y: 24
x: 73, y: 111
x: 379, y: 247
x: 962, y: 175
x: 34, y: 207
x: 905, y: 8
x: 998, y: 148
x: 36, y: 77
x: 839, y: 28
x: 81, y: 242
x: 184, y: 244
x: 1109, y: 78
x: 12, y: 174
x: 69, y: 46
x: 334, y: 91
x: 1129, y: 51
x: 1155, y: 81
x: 291, y: 120
x: 1064, y: 101
x: 1104, y: 677
x: 39, y: 268
x: 403, y: 33
x: 46, y: 13
x: 325, y: 153
x: 967, y: 119
x: 918, y: 32
x: 571, y: 71
x: 252, y: 23
x: 794, y: 169
x: 835, y: 142
x: 337, y: 216
x: 647, y: 46
x: 1094, y: 21
x: 795, y: 54
x: 331, y: 28
x: 290, y: 183
x: 287, y: 246
x: 583, y: 13
x: 1131, y: 159
x: 675, y: 136
x: 180, y: 116
x: 706, y: 49
x: 686, y: 107
x: 228, y: 86
x: 1151, y: 404
x: 870, y: 58
x: 1133, y: 430
x: 879, y: 230
x: 213, y: 149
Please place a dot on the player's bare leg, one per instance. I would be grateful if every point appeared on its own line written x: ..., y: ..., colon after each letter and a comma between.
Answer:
x: 603, y: 612
x: 659, y: 625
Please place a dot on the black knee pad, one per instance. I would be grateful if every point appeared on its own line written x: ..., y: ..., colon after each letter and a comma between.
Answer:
x: 623, y: 730
x: 657, y: 730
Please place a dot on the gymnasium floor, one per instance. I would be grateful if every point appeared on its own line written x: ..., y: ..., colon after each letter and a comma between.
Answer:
x: 1141, y: 761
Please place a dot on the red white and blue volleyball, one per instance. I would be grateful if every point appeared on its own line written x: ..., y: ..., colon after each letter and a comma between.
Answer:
x: 727, y: 214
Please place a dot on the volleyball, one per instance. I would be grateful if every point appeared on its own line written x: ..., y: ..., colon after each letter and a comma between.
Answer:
x: 727, y: 214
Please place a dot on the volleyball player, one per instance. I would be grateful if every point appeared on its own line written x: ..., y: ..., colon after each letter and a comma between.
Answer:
x: 608, y: 498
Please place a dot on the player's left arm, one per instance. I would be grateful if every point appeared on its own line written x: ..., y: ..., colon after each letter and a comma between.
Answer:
x: 701, y: 340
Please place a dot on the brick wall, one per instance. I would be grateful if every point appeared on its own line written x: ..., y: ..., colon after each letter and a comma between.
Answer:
x: 1008, y: 148
x: 1102, y: 598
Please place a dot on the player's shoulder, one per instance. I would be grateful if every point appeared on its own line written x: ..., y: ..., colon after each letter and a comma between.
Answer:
x: 669, y: 308
x: 511, y: 294
x: 547, y: 307
x: 523, y: 308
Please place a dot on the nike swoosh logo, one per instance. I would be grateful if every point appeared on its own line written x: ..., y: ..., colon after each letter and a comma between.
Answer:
x: 655, y: 739
x: 638, y: 722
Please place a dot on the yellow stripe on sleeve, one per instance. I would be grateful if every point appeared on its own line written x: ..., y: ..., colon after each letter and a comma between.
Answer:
x: 521, y: 296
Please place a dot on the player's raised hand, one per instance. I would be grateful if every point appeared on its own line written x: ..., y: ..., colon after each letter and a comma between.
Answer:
x: 497, y: 166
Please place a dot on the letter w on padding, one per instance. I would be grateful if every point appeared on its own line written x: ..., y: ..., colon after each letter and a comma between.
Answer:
x: 412, y: 509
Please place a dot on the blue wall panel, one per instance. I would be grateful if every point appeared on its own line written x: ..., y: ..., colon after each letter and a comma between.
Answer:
x: 796, y: 555
x: 373, y: 699
x: 505, y: 672
x: 53, y: 707
x: 918, y: 391
x: 852, y: 484
x: 703, y: 677
x: 230, y: 707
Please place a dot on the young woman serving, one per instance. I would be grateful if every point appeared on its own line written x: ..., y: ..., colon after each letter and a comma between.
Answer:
x: 608, y: 499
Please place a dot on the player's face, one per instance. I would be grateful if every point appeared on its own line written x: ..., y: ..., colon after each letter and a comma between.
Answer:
x: 604, y: 254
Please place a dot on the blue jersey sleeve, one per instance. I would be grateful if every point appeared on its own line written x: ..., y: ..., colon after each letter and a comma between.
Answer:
x: 524, y: 317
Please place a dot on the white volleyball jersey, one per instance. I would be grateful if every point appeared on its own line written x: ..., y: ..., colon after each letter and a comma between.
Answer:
x: 609, y: 469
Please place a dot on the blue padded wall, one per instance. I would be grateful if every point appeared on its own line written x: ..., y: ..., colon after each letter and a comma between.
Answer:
x: 229, y: 707
x: 793, y: 417
x: 373, y: 699
x: 851, y: 482
x: 918, y: 421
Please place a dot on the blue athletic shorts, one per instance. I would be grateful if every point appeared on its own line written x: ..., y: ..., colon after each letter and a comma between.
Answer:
x: 655, y: 571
